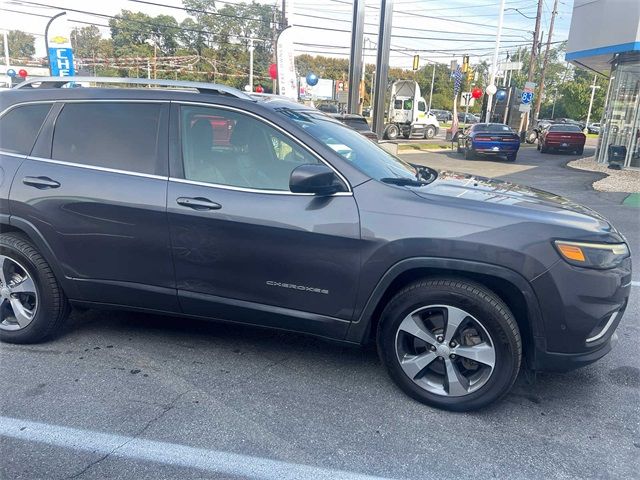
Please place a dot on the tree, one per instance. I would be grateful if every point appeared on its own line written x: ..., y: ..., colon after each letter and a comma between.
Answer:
x: 21, y: 45
x: 86, y: 41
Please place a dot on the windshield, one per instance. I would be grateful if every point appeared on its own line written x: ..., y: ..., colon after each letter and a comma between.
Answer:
x: 362, y: 153
x: 492, y: 127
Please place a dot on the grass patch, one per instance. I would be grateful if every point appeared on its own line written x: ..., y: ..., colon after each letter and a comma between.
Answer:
x: 404, y: 147
x: 632, y: 200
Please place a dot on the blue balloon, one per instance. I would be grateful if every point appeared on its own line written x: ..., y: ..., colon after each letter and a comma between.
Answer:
x: 11, y: 72
x: 312, y: 79
x: 501, y: 95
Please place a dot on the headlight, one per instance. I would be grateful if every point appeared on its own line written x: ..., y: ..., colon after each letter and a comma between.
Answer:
x: 593, y: 255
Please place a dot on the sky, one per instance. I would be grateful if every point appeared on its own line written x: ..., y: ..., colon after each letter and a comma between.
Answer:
x: 437, y: 30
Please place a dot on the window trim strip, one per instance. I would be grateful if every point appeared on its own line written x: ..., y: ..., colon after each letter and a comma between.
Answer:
x: 100, y: 169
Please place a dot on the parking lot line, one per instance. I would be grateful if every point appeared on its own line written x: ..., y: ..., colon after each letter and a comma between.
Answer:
x: 167, y: 453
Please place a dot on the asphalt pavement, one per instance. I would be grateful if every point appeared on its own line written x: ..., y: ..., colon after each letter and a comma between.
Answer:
x: 122, y: 395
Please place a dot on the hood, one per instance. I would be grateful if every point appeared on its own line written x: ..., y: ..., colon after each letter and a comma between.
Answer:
x: 511, y: 198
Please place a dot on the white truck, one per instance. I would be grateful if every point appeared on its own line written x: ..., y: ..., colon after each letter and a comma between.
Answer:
x: 408, y: 114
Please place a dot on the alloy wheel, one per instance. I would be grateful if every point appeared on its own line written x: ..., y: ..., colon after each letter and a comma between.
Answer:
x: 445, y: 350
x: 18, y: 295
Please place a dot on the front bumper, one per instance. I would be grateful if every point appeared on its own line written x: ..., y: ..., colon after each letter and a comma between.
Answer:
x: 580, y: 309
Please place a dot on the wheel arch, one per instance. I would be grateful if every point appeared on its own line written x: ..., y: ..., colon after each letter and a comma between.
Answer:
x: 509, y: 285
x: 19, y: 225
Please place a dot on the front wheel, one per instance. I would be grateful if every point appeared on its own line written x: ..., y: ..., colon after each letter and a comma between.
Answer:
x: 450, y: 343
x: 430, y: 132
x: 32, y: 304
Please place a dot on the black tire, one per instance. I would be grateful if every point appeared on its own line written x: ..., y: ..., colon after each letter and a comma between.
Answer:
x: 469, y: 153
x: 391, y: 132
x: 580, y: 151
x: 512, y: 157
x: 53, y: 307
x: 430, y: 132
x: 459, y: 148
x: 531, y: 136
x: 543, y: 149
x: 480, y: 302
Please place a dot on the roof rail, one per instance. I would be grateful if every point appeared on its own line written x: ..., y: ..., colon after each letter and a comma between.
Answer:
x: 202, y: 87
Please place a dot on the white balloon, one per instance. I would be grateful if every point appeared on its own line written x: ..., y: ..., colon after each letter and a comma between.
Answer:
x: 247, y: 88
x: 491, y: 89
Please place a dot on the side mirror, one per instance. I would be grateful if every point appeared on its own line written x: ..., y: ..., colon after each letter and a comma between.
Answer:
x: 314, y: 178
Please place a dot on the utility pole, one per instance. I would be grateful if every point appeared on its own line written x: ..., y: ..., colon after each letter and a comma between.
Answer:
x: 524, y: 122
x: 594, y: 87
x: 555, y: 94
x: 545, y: 61
x: 356, y: 66
x: 382, y: 64
x: 251, y: 64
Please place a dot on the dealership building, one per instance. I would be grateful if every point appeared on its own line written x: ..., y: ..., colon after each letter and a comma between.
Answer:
x: 605, y: 38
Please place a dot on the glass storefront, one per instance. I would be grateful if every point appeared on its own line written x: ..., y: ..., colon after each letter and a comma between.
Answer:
x: 621, y: 121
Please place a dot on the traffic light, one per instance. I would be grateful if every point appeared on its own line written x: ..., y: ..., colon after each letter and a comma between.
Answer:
x: 465, y: 63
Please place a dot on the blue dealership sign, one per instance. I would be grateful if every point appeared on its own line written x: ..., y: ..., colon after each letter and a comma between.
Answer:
x: 61, y: 61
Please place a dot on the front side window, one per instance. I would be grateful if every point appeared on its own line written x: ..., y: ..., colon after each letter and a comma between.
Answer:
x: 408, y: 105
x: 397, y: 104
x: 224, y: 147
x: 422, y: 107
x: 118, y: 135
x: 20, y: 126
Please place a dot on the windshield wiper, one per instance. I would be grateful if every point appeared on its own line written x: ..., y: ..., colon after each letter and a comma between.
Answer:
x: 404, y: 182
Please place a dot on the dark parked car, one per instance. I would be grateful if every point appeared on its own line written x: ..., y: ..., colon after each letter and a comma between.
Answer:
x: 594, y: 128
x: 467, y: 118
x: 569, y: 121
x: 126, y: 198
x: 489, y: 139
x: 358, y: 123
x: 442, y: 115
x: 562, y: 137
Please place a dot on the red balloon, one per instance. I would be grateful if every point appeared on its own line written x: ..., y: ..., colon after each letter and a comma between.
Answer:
x: 273, y: 71
x: 476, y: 92
x: 259, y: 89
x: 22, y: 73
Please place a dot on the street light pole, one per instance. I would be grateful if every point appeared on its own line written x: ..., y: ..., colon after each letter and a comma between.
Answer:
x: 251, y: 63
x: 491, y: 90
x: 6, y: 56
x: 433, y: 79
x: 594, y: 87
x: 46, y: 38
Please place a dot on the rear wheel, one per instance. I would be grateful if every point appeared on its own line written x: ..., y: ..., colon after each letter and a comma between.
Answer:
x: 32, y: 304
x: 531, y: 136
x: 469, y: 153
x: 580, y: 151
x: 450, y: 343
x: 391, y: 132
x: 543, y: 149
x: 512, y: 157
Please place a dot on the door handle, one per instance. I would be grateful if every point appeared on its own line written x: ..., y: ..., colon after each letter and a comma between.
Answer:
x: 198, y: 203
x: 40, y: 182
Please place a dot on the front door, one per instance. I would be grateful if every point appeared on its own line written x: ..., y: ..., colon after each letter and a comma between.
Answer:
x: 246, y: 248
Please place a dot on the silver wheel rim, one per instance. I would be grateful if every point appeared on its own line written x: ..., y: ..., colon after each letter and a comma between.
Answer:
x: 445, y: 350
x: 18, y: 295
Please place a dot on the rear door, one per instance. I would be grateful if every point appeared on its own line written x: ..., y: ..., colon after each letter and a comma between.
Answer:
x: 245, y: 247
x: 95, y: 189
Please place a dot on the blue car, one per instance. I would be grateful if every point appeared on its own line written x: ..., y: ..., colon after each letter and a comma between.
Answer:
x: 489, y: 139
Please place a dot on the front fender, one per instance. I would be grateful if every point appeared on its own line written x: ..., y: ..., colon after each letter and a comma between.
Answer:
x: 360, y: 329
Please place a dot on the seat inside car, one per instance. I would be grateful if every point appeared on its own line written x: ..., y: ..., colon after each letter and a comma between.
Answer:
x: 200, y: 162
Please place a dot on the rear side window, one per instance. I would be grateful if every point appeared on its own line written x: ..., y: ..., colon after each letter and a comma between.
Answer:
x: 123, y: 136
x: 20, y: 126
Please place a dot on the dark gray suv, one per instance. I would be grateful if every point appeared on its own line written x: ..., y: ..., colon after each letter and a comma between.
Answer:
x: 202, y: 201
